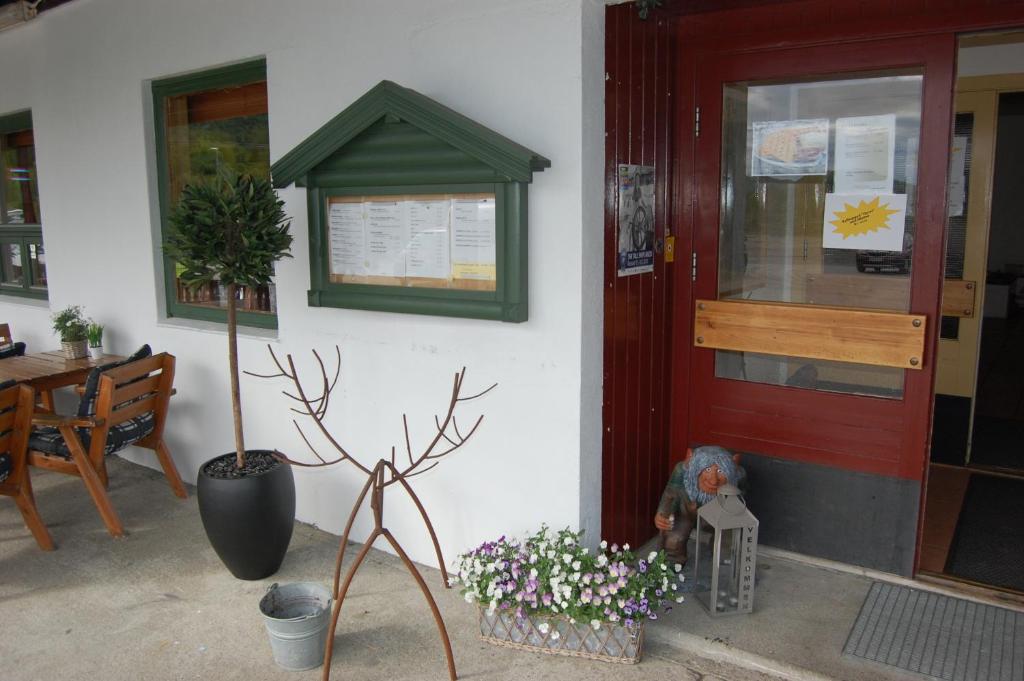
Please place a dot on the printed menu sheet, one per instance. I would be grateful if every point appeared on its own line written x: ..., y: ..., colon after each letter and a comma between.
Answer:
x: 428, y: 254
x: 434, y: 241
x: 345, y: 222
x: 473, y: 252
x: 865, y: 154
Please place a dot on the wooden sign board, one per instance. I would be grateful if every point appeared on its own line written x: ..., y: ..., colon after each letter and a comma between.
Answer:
x: 958, y: 298
x: 844, y: 335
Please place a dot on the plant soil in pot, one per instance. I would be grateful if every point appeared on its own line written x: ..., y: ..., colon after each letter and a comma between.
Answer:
x: 248, y: 514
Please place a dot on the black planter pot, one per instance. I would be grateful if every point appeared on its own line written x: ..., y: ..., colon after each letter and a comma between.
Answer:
x: 248, y: 520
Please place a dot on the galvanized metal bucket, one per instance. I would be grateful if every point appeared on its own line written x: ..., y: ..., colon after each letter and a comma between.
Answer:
x: 296, y: 616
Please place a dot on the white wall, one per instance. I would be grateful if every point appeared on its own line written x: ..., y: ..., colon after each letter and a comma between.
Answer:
x: 529, y: 69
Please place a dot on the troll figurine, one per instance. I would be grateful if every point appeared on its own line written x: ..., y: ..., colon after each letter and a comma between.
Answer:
x: 693, y: 483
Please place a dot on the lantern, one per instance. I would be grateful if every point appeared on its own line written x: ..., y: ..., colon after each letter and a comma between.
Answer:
x: 734, y: 553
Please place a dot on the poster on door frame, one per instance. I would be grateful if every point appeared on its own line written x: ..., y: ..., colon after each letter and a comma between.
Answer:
x: 635, y: 219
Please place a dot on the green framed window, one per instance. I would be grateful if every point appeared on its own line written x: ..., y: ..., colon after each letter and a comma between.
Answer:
x: 22, y: 256
x: 207, y: 124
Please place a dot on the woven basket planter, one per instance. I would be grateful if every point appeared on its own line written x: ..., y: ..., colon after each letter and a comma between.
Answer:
x: 611, y: 643
x: 75, y: 349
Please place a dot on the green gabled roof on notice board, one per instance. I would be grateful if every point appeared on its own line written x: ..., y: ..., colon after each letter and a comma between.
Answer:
x: 388, y: 99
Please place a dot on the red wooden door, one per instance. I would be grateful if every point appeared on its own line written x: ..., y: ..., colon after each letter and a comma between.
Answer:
x: 769, y: 162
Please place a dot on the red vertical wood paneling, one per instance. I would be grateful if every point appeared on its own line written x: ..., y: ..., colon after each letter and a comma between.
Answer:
x: 637, y: 308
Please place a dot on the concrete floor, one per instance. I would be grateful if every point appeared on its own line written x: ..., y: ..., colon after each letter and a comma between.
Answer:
x: 158, y: 604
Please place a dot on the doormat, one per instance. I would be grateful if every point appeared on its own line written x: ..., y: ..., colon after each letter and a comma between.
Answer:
x: 988, y: 546
x: 938, y: 636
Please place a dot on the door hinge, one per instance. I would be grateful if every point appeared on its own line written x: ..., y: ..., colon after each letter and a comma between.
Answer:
x: 693, y: 267
x: 696, y: 122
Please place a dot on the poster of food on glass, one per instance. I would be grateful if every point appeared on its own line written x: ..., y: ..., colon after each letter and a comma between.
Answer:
x: 789, y: 148
x: 636, y: 219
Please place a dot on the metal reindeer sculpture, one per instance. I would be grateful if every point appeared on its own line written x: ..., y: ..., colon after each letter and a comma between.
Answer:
x: 383, y: 474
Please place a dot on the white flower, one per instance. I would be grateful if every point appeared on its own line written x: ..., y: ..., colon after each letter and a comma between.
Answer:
x: 621, y: 602
x: 533, y: 558
x: 551, y: 555
x: 554, y: 608
x: 651, y: 556
x: 555, y: 635
x: 607, y: 600
x: 625, y: 547
x: 543, y: 627
x: 568, y: 541
x: 613, y: 617
x: 575, y: 577
x: 572, y: 620
x: 566, y: 558
x: 469, y: 596
x: 602, y: 560
x: 498, y: 592
x: 575, y: 565
x: 677, y: 567
x: 557, y: 569
x: 679, y: 599
x: 682, y: 578
x: 596, y: 624
x: 604, y: 544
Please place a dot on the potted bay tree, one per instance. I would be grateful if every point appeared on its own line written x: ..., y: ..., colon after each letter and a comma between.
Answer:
x: 231, y: 230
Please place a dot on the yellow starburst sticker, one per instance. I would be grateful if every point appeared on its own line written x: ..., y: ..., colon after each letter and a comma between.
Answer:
x: 864, y: 218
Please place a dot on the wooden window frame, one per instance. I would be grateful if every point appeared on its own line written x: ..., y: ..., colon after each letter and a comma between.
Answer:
x: 224, y: 77
x: 22, y: 235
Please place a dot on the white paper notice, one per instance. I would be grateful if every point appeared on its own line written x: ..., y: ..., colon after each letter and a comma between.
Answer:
x: 473, y: 226
x: 345, y: 221
x: 958, y: 176
x: 428, y: 252
x: 865, y: 154
x: 865, y: 222
x: 386, y: 236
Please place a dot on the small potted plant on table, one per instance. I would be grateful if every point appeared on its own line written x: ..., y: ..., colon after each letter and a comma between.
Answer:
x: 73, y: 329
x: 231, y: 231
x: 550, y: 594
x: 95, y: 334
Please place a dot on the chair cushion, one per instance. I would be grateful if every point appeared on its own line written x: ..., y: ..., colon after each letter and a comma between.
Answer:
x: 50, y: 441
x: 87, y: 404
x: 12, y: 350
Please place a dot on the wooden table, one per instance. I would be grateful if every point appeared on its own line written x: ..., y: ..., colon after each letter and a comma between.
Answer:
x: 46, y: 371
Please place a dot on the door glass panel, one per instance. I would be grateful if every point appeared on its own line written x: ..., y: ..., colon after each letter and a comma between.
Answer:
x: 789, y: 149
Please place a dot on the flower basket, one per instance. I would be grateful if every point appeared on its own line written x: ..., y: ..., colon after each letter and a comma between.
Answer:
x: 610, y: 642
x: 75, y: 349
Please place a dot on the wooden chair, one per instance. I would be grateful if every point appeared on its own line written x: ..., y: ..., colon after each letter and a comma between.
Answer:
x: 16, y: 404
x: 8, y: 347
x: 123, y: 404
